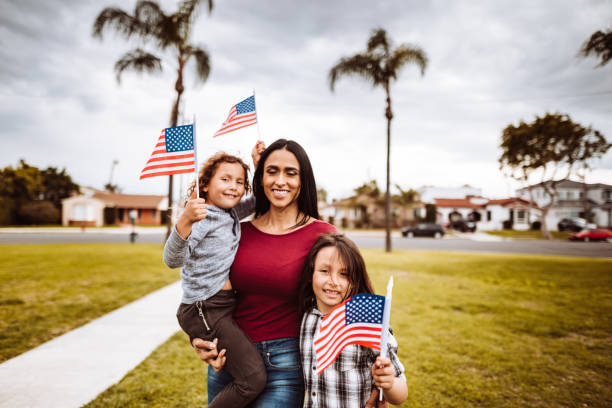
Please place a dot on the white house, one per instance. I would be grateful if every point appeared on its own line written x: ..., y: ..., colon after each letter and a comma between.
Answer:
x: 572, y: 200
x: 487, y: 214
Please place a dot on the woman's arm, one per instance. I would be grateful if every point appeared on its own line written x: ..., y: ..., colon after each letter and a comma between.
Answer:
x: 394, y: 388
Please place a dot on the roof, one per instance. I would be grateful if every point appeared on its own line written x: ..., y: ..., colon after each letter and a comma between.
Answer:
x: 509, y: 201
x: 572, y: 184
x: 129, y: 200
x: 460, y: 202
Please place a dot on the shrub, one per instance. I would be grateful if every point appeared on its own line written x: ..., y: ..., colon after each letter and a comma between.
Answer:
x: 39, y: 212
x: 507, y: 224
x: 536, y: 225
x: 7, y: 211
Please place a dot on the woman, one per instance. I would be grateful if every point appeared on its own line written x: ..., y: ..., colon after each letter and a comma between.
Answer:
x: 266, y: 270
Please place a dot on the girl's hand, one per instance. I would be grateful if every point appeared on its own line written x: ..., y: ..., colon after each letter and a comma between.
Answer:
x: 195, y: 210
x: 258, y: 149
x: 373, y: 401
x: 383, y: 373
x: 207, y: 351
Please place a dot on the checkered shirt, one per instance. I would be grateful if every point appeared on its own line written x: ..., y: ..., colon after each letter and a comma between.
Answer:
x: 348, y: 381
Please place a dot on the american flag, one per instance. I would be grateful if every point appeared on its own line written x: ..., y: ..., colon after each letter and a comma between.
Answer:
x: 241, y: 115
x: 358, y: 320
x: 173, y: 153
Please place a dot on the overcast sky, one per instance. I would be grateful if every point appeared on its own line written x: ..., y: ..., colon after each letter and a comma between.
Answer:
x: 491, y: 64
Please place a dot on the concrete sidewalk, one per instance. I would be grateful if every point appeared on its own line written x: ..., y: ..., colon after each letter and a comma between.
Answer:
x: 73, y: 369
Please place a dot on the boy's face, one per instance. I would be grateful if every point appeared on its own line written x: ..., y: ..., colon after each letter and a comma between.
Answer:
x: 330, y: 282
x: 226, y: 186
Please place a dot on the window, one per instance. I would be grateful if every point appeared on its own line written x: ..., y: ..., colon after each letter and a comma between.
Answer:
x: 570, y: 195
x: 488, y: 215
x: 520, y: 216
x: 82, y: 212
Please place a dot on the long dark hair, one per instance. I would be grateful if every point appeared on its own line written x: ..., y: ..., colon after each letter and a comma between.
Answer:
x: 307, y: 198
x: 359, y: 281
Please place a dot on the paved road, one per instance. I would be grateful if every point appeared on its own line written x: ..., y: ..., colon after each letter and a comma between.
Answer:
x: 461, y: 243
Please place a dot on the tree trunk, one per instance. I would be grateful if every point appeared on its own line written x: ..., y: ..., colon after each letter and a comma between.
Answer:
x: 178, y: 87
x: 389, y: 115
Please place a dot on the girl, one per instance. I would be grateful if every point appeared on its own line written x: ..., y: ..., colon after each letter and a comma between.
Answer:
x: 334, y: 271
x: 204, y: 243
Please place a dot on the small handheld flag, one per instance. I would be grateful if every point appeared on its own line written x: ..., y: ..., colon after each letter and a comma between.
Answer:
x: 385, y: 327
x: 357, y: 320
x: 241, y: 115
x: 173, y: 153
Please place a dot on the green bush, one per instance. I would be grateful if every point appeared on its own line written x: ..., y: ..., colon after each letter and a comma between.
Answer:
x: 39, y: 212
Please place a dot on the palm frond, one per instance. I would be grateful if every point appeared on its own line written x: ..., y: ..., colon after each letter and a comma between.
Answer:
x: 202, y: 61
x: 139, y: 61
x: 366, y: 66
x: 377, y: 40
x: 150, y: 15
x: 118, y: 19
x: 403, y: 55
x: 600, y: 44
x: 189, y: 6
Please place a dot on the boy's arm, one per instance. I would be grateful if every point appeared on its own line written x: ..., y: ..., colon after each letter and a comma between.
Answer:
x: 175, y: 249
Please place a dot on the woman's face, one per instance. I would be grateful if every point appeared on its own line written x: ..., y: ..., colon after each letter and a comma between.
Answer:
x: 281, y: 178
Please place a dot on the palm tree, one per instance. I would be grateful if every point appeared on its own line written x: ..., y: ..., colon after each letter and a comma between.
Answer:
x: 600, y: 45
x: 169, y: 33
x: 380, y: 64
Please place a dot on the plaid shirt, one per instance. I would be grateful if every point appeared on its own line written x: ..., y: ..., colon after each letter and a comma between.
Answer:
x: 348, y: 381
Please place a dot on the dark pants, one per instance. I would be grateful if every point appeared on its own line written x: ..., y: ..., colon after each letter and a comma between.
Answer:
x: 212, y: 318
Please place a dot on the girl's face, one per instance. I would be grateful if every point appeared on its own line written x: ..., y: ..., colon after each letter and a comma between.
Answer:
x: 281, y: 178
x: 226, y: 187
x: 330, y: 282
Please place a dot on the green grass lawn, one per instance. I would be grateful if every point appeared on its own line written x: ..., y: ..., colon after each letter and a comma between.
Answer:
x: 47, y: 290
x: 474, y: 331
x: 529, y: 234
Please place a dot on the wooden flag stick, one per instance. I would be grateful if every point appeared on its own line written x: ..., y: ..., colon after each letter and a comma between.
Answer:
x: 384, y: 335
x: 195, y: 158
x: 256, y: 115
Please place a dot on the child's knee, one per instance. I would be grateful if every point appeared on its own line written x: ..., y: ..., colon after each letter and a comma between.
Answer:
x: 255, y: 385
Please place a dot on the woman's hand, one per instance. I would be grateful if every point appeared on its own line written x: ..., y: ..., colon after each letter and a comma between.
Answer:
x: 195, y: 210
x: 258, y: 149
x: 207, y: 351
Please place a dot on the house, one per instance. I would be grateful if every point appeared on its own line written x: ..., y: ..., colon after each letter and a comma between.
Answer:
x: 574, y: 199
x: 365, y: 211
x: 486, y: 213
x: 97, y: 208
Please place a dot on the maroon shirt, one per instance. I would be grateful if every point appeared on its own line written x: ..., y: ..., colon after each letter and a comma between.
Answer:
x: 265, y: 274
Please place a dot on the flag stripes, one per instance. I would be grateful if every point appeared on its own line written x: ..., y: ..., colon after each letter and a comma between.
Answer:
x: 336, y: 331
x: 163, y: 162
x: 241, y: 115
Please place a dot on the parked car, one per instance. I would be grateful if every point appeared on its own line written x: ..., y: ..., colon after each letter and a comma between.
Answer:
x: 592, y: 234
x: 424, y: 230
x: 572, y: 224
x: 463, y: 225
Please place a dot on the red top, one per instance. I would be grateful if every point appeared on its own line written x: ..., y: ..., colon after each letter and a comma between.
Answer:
x: 265, y: 274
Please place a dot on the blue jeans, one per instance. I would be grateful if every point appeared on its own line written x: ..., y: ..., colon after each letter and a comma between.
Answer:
x: 285, y: 386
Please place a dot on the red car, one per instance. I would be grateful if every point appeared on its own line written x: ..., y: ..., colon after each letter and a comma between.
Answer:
x: 593, y: 234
